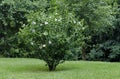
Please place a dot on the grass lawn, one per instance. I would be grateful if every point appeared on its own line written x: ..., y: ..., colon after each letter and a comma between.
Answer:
x: 21, y: 68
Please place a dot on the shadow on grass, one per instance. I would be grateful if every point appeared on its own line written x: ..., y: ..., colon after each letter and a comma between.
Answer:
x: 39, y: 68
x: 65, y: 68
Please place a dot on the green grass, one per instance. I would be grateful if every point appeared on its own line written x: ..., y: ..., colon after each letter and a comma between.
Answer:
x: 21, y: 68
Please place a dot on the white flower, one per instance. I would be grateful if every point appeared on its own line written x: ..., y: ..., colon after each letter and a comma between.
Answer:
x: 45, y: 33
x: 50, y: 42
x: 74, y: 21
x: 46, y: 22
x: 44, y: 45
x: 41, y: 24
x: 23, y: 25
x: 50, y: 17
x: 33, y: 22
x: 33, y: 30
x: 55, y: 19
x: 83, y: 28
x: 79, y: 23
x: 3, y: 2
x: 56, y: 13
x: 31, y: 43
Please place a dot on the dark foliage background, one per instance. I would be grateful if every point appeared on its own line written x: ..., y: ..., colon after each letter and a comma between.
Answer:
x: 104, y: 44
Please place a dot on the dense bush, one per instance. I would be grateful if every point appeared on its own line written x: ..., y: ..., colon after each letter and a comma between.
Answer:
x: 97, y: 55
x: 115, y: 53
x: 108, y: 51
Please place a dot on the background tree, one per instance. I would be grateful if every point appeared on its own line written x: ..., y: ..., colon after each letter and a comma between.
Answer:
x: 107, y: 43
x: 97, y: 19
x: 12, y: 17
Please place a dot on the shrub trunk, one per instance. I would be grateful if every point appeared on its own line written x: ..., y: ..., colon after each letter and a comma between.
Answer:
x: 52, y: 67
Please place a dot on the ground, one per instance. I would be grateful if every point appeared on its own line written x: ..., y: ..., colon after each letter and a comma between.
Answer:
x: 25, y: 68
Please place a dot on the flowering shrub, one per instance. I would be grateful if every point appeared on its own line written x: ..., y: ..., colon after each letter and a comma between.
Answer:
x: 51, y: 36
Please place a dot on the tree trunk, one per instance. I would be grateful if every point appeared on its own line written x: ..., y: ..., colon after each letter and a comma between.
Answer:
x: 83, y: 54
x: 52, y: 67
